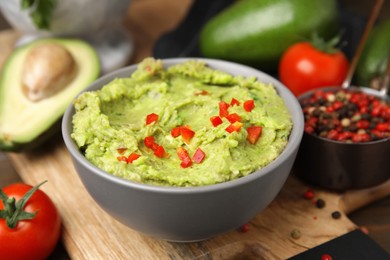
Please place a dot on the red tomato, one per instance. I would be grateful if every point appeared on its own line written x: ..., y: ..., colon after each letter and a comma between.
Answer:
x: 303, y: 67
x: 34, y: 238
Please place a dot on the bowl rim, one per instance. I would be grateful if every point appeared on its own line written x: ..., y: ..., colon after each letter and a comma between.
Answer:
x: 365, y: 90
x: 292, y: 144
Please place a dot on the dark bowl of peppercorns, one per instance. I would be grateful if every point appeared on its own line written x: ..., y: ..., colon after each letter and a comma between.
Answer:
x: 346, y: 141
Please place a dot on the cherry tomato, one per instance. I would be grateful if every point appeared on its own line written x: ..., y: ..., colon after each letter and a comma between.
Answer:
x: 303, y: 67
x: 33, y: 238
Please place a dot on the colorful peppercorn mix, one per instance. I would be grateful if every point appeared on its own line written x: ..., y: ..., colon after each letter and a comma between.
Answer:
x: 346, y: 116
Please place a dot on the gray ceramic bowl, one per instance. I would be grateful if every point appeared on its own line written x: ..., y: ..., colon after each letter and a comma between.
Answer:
x: 340, y: 166
x: 188, y: 213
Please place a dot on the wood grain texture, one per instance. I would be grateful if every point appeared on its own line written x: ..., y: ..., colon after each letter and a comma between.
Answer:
x: 89, y: 233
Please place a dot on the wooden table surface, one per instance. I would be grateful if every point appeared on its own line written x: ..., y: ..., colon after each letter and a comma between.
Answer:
x: 142, y: 16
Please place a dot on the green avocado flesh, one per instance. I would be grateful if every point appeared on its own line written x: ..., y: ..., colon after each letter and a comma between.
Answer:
x: 111, y: 122
x: 24, y: 123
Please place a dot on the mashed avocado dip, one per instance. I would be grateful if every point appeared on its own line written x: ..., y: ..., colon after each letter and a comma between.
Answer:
x: 187, y: 125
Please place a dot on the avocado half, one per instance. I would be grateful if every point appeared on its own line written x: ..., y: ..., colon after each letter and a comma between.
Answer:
x: 26, y: 123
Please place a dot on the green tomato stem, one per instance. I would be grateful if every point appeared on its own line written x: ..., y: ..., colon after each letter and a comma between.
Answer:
x: 10, y: 206
x: 13, y: 211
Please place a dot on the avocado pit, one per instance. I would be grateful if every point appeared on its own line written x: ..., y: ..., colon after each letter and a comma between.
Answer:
x: 48, y: 69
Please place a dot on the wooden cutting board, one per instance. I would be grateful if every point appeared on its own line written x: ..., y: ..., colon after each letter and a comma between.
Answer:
x: 89, y: 233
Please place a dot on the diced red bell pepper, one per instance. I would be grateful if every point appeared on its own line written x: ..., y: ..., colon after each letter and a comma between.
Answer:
x: 159, y: 151
x: 175, y: 132
x: 122, y: 158
x: 149, y: 141
x: 198, y: 156
x: 233, y: 118
x: 187, y: 134
x: 249, y: 105
x: 223, y: 109
x: 182, y: 153
x: 236, y: 126
x: 121, y: 150
x: 216, y: 120
x: 151, y: 118
x: 184, y: 157
x: 132, y: 157
x: 201, y: 93
x: 254, y: 133
x: 186, y: 163
x: 234, y: 102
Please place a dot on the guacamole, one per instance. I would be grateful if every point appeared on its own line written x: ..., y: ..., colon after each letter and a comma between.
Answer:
x: 186, y: 125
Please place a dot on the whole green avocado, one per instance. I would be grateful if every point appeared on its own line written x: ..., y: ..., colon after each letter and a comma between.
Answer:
x: 374, y: 58
x: 257, y: 32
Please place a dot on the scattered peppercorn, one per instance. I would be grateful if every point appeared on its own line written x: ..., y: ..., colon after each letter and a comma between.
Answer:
x: 295, y: 233
x: 309, y: 194
x: 320, y: 203
x: 244, y: 228
x: 346, y: 116
x: 336, y: 214
x: 326, y: 257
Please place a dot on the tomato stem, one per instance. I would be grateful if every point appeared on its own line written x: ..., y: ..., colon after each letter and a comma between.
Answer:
x: 326, y: 46
x: 13, y: 210
x: 10, y: 206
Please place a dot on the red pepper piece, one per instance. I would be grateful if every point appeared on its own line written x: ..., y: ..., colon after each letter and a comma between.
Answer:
x: 187, y: 134
x: 198, y: 156
x: 122, y: 158
x: 182, y: 153
x: 236, y: 126
x: 132, y: 157
x: 223, y: 109
x: 186, y: 163
x: 121, y: 150
x: 151, y: 118
x: 216, y: 120
x: 149, y: 142
x: 159, y: 151
x: 234, y: 117
x: 201, y: 93
x: 175, y: 132
x: 234, y: 102
x: 254, y: 133
x: 249, y: 105
x: 184, y: 157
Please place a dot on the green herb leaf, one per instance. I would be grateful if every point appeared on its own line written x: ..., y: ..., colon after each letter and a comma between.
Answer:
x: 40, y: 11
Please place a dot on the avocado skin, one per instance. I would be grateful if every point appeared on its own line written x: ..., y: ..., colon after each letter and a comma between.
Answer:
x: 257, y: 32
x: 374, y: 58
x: 46, y: 136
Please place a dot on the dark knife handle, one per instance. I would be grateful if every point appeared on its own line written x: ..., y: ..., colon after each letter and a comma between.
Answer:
x: 183, y: 41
